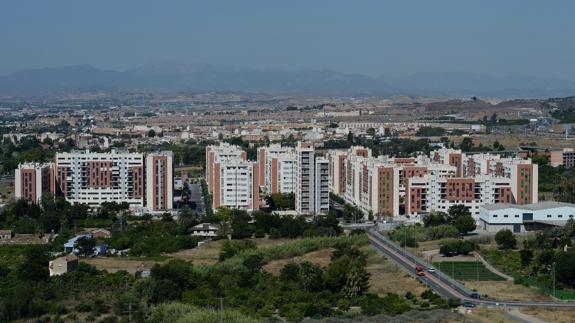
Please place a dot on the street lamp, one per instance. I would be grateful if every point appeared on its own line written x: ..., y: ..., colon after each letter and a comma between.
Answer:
x: 554, y: 279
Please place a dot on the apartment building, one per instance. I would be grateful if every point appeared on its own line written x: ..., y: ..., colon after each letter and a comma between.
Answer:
x: 321, y: 198
x: 32, y: 180
x: 312, y: 182
x: 222, y: 153
x: 93, y: 178
x: 277, y: 169
x: 565, y: 157
x: 233, y: 180
x: 430, y: 183
x: 159, y: 181
x: 305, y: 178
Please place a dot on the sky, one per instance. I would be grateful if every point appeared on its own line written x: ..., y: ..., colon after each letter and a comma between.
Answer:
x: 372, y: 37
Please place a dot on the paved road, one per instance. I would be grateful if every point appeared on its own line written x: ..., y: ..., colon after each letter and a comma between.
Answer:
x: 443, y: 284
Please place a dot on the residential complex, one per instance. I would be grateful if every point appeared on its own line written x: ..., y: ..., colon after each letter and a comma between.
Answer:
x: 430, y: 183
x: 93, y: 178
x: 236, y: 182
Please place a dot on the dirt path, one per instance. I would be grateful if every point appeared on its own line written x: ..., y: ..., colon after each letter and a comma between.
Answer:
x: 491, y: 268
x: 517, y: 315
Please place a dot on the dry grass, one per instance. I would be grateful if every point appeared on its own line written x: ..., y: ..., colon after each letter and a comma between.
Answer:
x: 512, y: 141
x: 205, y: 254
x: 551, y: 314
x: 506, y: 290
x: 486, y: 315
x: 319, y: 257
x: 116, y: 264
x: 209, y: 252
x: 386, y: 277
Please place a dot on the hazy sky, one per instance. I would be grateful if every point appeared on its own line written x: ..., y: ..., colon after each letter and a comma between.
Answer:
x: 376, y: 37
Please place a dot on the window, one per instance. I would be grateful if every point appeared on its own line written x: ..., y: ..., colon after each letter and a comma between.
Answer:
x: 506, y: 216
x: 560, y: 215
x: 548, y: 215
x: 494, y: 215
x: 516, y: 215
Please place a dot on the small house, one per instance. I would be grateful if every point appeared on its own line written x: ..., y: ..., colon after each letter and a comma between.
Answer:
x: 5, y: 235
x: 70, y: 246
x: 62, y: 265
x: 205, y: 230
x: 101, y: 233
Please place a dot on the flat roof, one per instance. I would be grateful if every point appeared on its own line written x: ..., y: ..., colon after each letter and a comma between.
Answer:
x: 529, y: 207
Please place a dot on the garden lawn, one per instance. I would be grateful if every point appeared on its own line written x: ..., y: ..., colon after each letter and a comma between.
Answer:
x: 467, y: 270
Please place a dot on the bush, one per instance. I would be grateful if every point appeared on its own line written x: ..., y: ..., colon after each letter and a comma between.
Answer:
x: 231, y: 248
x: 259, y: 234
x: 177, y: 312
x: 452, y: 247
x: 505, y: 239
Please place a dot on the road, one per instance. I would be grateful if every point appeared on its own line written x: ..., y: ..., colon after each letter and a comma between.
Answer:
x: 441, y: 283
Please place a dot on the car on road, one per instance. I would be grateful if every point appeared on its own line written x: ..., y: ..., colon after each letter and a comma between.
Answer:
x: 468, y: 305
x: 475, y: 295
x: 431, y: 270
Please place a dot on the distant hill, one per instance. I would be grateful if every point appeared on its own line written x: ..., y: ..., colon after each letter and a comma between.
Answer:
x: 176, y: 76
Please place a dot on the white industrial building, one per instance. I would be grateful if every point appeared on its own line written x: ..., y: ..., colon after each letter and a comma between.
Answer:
x: 527, y: 217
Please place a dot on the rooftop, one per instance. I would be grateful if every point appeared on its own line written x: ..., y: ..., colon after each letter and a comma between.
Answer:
x: 529, y: 207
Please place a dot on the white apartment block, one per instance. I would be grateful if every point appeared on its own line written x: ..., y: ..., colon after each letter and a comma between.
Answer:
x: 277, y: 169
x: 232, y: 180
x: 32, y: 180
x: 93, y: 178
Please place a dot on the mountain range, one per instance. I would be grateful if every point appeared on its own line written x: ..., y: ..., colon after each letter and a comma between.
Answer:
x: 177, y: 76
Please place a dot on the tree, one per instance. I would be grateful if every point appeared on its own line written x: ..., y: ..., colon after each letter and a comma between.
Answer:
x: 505, y: 239
x: 465, y: 223
x: 565, y: 263
x: 35, y: 264
x: 456, y: 211
x: 451, y: 247
x: 86, y: 246
x: 151, y: 133
x: 231, y: 248
x: 466, y: 144
x: 350, y: 137
x: 526, y: 257
x: 290, y: 272
x: 493, y: 118
x: 448, y: 248
x: 310, y: 276
x: 435, y: 218
x: 241, y: 228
